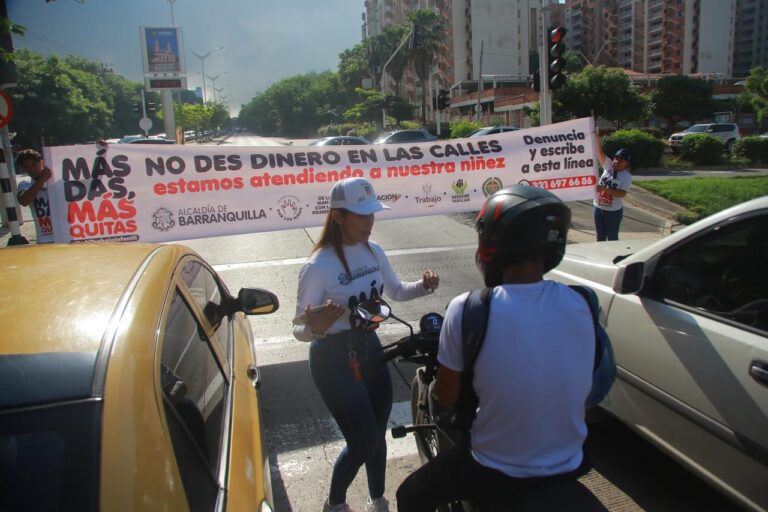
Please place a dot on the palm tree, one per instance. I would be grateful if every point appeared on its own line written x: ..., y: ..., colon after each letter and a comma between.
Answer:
x: 428, y: 27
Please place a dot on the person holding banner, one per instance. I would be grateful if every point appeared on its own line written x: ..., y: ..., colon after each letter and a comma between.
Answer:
x: 33, y: 192
x: 345, y: 269
x: 611, y: 189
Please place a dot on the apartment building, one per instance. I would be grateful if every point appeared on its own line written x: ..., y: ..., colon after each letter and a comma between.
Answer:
x: 655, y: 36
x: 751, y: 38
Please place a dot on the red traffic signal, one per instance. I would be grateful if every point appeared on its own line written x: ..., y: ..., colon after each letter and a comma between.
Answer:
x: 556, y: 61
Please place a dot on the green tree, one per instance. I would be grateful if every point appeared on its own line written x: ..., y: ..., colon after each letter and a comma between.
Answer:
x: 369, y: 110
x: 606, y: 92
x: 69, y: 99
x: 428, y: 25
x: 8, y: 27
x: 756, y: 93
x: 296, y: 106
x: 353, y: 68
x: 682, y: 98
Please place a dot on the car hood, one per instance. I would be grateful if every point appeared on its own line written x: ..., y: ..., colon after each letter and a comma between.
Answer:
x: 596, y: 261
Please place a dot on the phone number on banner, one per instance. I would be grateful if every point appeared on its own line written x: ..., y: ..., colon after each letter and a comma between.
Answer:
x: 555, y: 183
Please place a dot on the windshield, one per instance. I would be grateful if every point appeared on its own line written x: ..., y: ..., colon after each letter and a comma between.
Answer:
x: 49, y: 457
x: 697, y: 128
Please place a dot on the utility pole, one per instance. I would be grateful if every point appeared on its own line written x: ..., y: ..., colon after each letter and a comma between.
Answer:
x: 545, y: 99
x: 478, y: 107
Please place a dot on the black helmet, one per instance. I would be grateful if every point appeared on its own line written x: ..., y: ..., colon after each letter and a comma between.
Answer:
x: 520, y: 223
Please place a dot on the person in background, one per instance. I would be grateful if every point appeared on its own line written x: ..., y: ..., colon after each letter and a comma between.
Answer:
x: 344, y: 270
x: 33, y: 192
x: 611, y: 189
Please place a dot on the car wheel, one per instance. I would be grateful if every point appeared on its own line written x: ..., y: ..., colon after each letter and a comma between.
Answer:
x: 729, y: 144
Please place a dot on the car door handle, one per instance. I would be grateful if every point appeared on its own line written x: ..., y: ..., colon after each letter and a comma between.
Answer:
x: 254, y: 375
x: 759, y: 371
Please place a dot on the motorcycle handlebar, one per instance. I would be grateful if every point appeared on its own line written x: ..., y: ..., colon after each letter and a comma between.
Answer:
x: 408, y: 346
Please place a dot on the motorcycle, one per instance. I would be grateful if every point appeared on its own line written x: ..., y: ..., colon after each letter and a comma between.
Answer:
x: 417, y: 348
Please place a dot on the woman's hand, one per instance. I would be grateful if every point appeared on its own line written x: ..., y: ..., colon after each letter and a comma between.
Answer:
x: 321, y: 318
x: 430, y: 280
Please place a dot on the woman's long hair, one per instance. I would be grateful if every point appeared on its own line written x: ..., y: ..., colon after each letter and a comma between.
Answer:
x: 331, y: 235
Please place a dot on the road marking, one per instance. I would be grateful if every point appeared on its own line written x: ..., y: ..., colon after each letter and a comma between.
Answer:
x: 293, y: 463
x: 300, y: 261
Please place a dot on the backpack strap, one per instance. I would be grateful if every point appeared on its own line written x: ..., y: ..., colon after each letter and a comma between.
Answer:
x: 474, y: 322
x: 591, y: 297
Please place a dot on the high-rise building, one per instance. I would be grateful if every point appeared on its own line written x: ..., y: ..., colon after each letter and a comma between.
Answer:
x: 751, y: 36
x: 655, y: 36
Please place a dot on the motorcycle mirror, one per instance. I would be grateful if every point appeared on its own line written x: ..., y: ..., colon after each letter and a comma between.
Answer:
x: 374, y: 310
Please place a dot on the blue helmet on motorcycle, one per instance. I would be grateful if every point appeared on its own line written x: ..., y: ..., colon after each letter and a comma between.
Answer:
x: 520, y: 223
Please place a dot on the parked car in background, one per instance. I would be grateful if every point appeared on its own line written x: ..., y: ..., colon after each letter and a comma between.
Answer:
x: 401, y: 136
x: 726, y: 132
x: 688, y: 319
x: 342, y: 140
x: 491, y: 130
x: 152, y: 140
x: 125, y: 139
x: 128, y: 380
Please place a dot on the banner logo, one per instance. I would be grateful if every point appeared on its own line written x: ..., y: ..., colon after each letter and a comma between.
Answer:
x: 162, y: 220
x: 428, y: 199
x: 491, y: 186
x: 289, y: 208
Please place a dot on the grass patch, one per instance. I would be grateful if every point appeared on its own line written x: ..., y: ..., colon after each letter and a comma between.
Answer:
x: 703, y: 196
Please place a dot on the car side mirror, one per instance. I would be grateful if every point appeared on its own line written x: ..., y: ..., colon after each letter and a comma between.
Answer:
x: 629, y: 279
x: 256, y: 301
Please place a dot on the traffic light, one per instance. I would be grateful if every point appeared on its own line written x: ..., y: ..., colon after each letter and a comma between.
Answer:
x: 137, y: 107
x: 151, y: 107
x: 556, y: 61
x: 442, y: 99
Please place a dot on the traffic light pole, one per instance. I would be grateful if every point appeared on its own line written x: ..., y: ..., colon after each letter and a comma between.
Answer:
x: 545, y: 98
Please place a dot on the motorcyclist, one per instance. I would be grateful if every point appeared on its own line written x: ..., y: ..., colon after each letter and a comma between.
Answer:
x: 533, y: 372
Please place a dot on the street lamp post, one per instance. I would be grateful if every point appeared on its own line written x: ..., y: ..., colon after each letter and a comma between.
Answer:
x: 213, y: 82
x: 202, y: 63
x: 170, y: 2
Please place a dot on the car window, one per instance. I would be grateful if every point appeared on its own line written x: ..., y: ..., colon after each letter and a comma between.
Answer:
x: 208, y: 294
x: 194, y: 396
x: 400, y: 137
x: 697, y: 128
x: 723, y: 273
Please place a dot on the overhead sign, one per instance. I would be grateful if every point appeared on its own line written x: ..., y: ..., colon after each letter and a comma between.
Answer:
x: 6, y: 109
x: 158, y: 84
x: 162, y: 51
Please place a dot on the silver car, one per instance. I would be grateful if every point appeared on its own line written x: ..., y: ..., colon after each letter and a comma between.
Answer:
x: 688, y: 319
x: 728, y: 133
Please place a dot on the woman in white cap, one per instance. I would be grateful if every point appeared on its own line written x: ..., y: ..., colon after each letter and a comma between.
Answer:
x: 610, y: 191
x: 345, y: 269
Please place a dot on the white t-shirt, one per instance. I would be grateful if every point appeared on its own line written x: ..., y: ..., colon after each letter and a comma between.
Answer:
x: 622, y: 181
x: 323, y: 277
x: 532, y: 377
x: 41, y: 211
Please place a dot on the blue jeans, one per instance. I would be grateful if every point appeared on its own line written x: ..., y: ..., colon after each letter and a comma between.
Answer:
x: 607, y: 223
x: 360, y: 402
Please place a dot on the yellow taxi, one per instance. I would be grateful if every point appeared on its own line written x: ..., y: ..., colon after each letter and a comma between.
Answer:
x: 128, y: 381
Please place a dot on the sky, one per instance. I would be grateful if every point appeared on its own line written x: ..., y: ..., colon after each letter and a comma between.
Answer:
x: 263, y: 41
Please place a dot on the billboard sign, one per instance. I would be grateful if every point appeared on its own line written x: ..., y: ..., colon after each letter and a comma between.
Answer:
x: 162, y: 51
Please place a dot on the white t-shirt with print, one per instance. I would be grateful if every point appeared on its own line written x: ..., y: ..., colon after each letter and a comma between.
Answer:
x: 41, y: 211
x: 532, y: 377
x: 323, y: 277
x: 622, y: 181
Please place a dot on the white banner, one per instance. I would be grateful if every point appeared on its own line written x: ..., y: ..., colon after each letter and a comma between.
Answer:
x: 162, y: 193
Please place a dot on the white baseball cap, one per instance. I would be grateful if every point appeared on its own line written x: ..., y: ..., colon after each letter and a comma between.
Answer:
x: 357, y: 196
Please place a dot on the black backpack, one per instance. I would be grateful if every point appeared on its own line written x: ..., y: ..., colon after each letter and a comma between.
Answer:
x: 473, y: 327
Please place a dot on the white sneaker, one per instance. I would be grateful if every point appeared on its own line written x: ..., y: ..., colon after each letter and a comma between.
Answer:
x: 378, y: 505
x: 340, y: 507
